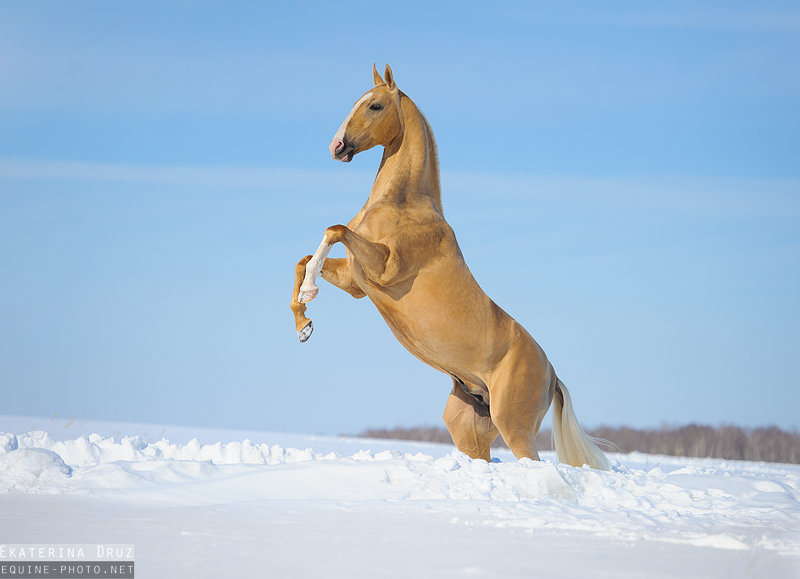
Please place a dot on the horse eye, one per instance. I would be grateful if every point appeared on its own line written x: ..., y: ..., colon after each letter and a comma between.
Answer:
x: 375, y: 107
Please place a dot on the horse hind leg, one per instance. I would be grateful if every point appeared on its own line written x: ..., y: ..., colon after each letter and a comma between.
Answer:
x: 521, y: 393
x: 469, y: 423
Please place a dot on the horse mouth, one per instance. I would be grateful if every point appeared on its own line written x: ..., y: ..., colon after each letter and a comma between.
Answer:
x: 346, y: 154
x: 341, y: 150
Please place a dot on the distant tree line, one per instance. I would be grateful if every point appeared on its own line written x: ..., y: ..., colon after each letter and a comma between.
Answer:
x: 769, y: 444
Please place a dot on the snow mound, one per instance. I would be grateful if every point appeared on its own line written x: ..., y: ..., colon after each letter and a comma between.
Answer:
x: 36, y: 469
x: 723, y: 506
x: 132, y: 464
x: 8, y: 442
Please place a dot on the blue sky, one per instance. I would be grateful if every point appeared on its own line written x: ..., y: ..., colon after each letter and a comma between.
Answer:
x: 623, y: 179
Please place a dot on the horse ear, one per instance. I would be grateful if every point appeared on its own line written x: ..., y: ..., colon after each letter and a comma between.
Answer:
x: 376, y: 78
x: 389, y: 78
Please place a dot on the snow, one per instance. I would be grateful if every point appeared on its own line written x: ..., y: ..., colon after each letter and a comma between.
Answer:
x: 203, y: 503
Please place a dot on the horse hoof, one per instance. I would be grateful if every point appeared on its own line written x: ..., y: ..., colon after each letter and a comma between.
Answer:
x: 305, y: 333
x: 306, y: 296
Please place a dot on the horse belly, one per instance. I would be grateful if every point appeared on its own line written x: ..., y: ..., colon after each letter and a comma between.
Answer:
x: 452, y: 327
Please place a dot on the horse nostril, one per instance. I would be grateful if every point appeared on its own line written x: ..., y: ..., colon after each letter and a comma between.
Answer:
x: 336, y: 146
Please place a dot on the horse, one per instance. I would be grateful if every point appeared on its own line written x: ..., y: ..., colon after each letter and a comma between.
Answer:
x: 403, y: 255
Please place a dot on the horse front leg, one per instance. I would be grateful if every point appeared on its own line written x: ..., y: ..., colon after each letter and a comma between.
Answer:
x: 372, y: 257
x: 335, y: 271
x: 308, y: 289
x: 302, y: 324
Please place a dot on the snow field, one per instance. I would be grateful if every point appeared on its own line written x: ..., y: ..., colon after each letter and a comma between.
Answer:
x: 738, y: 518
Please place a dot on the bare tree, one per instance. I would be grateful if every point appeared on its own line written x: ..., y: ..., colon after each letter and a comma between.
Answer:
x: 729, y: 442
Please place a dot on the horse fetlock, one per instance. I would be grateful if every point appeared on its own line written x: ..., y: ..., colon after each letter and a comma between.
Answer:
x: 307, y: 293
x: 306, y: 296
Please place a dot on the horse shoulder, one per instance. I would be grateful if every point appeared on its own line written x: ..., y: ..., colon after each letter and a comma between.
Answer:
x: 413, y: 239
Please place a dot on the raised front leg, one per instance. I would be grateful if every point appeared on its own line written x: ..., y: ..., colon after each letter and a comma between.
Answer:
x: 309, y: 289
x: 335, y: 271
x: 302, y: 324
x: 372, y: 257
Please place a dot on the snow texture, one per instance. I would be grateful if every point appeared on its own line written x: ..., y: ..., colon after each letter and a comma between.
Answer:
x: 264, y: 504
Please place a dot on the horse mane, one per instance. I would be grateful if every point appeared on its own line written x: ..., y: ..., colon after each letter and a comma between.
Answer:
x: 433, y: 151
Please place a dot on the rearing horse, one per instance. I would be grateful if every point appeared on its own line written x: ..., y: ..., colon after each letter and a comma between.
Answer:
x: 403, y: 255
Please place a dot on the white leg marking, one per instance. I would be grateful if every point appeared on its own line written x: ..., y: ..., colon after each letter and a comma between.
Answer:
x: 309, y: 289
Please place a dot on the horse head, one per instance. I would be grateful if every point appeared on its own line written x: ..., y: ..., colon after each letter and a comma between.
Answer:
x: 375, y: 119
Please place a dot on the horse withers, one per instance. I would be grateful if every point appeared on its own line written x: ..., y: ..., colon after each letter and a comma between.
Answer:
x: 403, y: 255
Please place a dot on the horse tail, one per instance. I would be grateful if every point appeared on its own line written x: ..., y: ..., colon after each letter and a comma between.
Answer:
x: 573, y: 446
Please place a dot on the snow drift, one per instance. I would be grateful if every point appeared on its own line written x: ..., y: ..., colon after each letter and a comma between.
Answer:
x: 747, y: 514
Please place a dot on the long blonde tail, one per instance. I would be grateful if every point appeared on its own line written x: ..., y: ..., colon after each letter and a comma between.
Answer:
x: 573, y: 446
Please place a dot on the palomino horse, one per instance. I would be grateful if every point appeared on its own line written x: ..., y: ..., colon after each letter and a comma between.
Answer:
x: 403, y: 255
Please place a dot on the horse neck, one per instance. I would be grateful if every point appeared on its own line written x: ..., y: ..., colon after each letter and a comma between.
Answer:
x: 409, y: 171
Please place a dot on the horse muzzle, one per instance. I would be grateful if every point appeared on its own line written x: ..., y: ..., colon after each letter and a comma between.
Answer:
x: 341, y: 151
